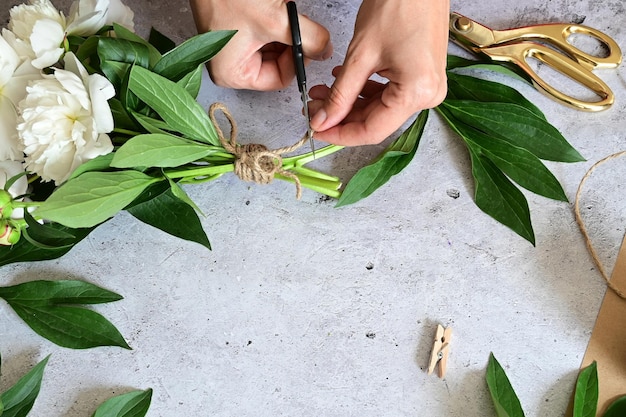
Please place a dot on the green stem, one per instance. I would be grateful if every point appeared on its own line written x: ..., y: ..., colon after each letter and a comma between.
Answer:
x: 25, y: 204
x: 300, y: 160
x: 126, y: 131
x: 199, y: 172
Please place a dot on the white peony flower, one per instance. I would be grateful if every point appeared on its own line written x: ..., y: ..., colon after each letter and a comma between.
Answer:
x: 89, y: 16
x: 64, y: 120
x: 14, y: 77
x: 42, y: 27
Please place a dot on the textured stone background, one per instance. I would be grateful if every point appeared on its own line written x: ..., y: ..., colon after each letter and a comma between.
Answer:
x: 306, y: 310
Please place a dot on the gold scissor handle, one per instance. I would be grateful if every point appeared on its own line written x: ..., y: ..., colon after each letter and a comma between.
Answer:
x: 518, y: 53
x: 558, y: 35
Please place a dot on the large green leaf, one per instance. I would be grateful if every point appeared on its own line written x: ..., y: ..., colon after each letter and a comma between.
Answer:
x: 504, y: 398
x: 116, y: 56
x: 496, y: 195
x: 18, y: 400
x: 123, y: 50
x: 173, y: 216
x: 159, y: 150
x: 121, y: 32
x: 174, y: 104
x: 519, y: 164
x: 58, y: 292
x: 132, y: 404
x: 195, y: 51
x: 586, y: 393
x: 457, y: 62
x: 617, y: 408
x: 464, y: 87
x: 390, y: 162
x: 517, y: 125
x: 50, y: 309
x: 69, y: 326
x: 93, y: 197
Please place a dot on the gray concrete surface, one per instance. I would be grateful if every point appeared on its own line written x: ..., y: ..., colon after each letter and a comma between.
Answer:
x: 303, y: 310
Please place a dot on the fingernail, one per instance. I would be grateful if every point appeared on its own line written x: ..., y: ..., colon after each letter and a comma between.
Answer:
x: 318, y: 119
x: 328, y: 52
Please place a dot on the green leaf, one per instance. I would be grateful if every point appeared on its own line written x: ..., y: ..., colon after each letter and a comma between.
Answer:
x: 498, y: 197
x: 617, y: 408
x: 115, y: 72
x: 179, y: 193
x: 389, y: 163
x: 192, y: 81
x: 46, y: 235
x: 586, y: 393
x: 517, y: 125
x: 519, y: 164
x: 457, y: 62
x: 120, y: 116
x: 504, y: 398
x: 193, y: 52
x: 58, y: 292
x: 93, y: 197
x: 45, y: 307
x: 69, y: 326
x: 132, y: 404
x: 122, y: 33
x: 19, y: 399
x: 171, y: 215
x: 464, y: 87
x: 123, y: 50
x: 174, y: 104
x: 99, y: 163
x: 27, y: 251
x: 88, y: 50
x: 151, y: 125
x: 159, y: 150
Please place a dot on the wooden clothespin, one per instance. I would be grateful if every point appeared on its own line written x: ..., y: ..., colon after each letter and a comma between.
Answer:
x: 441, y: 349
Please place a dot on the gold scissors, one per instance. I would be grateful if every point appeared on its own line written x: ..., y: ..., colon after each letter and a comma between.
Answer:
x: 515, y: 46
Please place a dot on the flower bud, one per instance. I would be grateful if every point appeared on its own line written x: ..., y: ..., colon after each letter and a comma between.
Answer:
x: 6, y: 204
x: 9, y: 235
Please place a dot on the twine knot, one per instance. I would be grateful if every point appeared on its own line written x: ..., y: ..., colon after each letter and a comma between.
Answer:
x: 254, y: 161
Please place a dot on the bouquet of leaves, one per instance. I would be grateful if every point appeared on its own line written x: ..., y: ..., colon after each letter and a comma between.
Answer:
x: 96, y: 120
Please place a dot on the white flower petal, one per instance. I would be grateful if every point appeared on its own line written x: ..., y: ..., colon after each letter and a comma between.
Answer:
x: 120, y: 14
x: 100, y: 91
x: 46, y: 40
x: 9, y: 169
x: 87, y: 17
x: 8, y: 138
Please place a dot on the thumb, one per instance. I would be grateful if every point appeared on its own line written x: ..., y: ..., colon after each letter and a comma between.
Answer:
x: 342, y: 95
x: 316, y: 42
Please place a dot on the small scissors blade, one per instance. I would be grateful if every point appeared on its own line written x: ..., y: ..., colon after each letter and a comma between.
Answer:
x: 298, y: 60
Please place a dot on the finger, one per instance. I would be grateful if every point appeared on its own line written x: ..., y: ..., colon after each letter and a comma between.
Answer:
x: 378, y: 122
x: 315, y: 38
x: 276, y: 73
x: 316, y: 42
x: 344, y: 92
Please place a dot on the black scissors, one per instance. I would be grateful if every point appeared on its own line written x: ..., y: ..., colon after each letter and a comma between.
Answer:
x: 298, y: 60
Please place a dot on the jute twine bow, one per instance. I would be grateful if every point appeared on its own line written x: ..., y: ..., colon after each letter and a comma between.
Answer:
x: 583, y: 229
x: 254, y: 161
